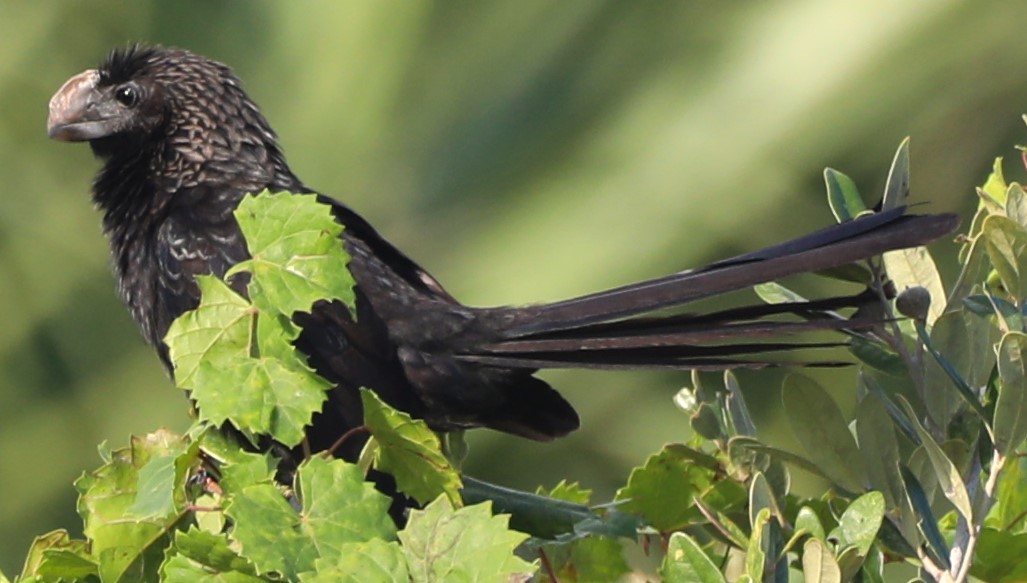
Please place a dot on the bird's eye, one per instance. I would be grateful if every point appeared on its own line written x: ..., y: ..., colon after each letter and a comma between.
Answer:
x: 127, y: 95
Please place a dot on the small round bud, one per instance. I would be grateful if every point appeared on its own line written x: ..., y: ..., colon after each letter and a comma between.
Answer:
x: 914, y: 302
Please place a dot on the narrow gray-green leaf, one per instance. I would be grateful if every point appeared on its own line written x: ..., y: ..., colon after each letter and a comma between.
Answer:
x: 948, y: 475
x: 736, y: 407
x: 1007, y: 249
x: 818, y: 564
x: 897, y: 189
x: 686, y: 562
x: 950, y: 338
x: 1010, y: 424
x: 915, y: 267
x: 1016, y: 204
x: 879, y: 449
x: 842, y: 195
x: 818, y: 424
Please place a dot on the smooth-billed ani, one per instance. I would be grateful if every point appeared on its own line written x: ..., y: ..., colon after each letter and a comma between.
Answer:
x: 182, y: 143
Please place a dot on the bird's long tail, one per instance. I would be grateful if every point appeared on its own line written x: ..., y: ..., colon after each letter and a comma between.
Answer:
x: 616, y: 329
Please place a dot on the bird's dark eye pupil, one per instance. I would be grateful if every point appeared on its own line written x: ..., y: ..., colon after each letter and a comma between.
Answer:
x: 126, y: 95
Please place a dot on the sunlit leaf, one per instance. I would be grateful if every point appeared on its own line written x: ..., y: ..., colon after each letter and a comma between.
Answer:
x: 947, y: 473
x: 373, y: 560
x: 686, y: 562
x: 1010, y: 424
x: 842, y: 195
x: 337, y: 507
x: 410, y: 451
x: 1007, y: 250
x: 818, y: 564
x: 297, y: 257
x: 206, y: 558
x: 664, y: 488
x: 466, y: 544
x: 896, y: 190
x: 861, y: 521
x: 915, y: 267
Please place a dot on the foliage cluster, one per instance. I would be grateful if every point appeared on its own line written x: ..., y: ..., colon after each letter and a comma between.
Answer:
x: 926, y: 473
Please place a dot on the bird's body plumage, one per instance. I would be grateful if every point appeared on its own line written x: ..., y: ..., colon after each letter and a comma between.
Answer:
x: 182, y: 144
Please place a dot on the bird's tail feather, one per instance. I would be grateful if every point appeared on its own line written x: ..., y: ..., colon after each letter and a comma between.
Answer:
x: 611, y: 329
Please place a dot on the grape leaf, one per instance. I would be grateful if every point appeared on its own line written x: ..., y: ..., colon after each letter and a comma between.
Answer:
x: 217, y: 330
x: 374, y: 560
x: 297, y: 257
x: 205, y: 557
x: 337, y: 507
x: 466, y: 544
x: 129, y: 549
x: 663, y: 490
x: 411, y: 452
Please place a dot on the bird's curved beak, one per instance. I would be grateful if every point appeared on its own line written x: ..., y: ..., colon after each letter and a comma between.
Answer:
x: 79, y: 112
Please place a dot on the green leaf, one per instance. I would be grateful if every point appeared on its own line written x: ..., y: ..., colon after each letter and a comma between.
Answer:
x: 1016, y: 204
x: 956, y: 379
x: 948, y: 475
x: 950, y: 338
x: 896, y: 191
x: 842, y: 195
x: 999, y: 556
x: 568, y: 492
x: 261, y: 395
x: 1010, y: 509
x: 539, y: 515
x: 879, y: 449
x: 775, y: 293
x: 686, y: 562
x: 818, y: 564
x: 218, y: 329
x: 861, y: 521
x: 761, y: 497
x: 1010, y: 423
x: 156, y: 487
x: 374, y: 560
x: 995, y: 186
x: 915, y: 267
x: 205, y: 557
x: 55, y: 556
x: 338, y: 507
x: 818, y: 424
x: 598, y: 558
x: 125, y: 549
x: 723, y: 524
x: 297, y: 257
x: 1007, y: 248
x: 974, y: 270
x: 663, y: 490
x: 807, y: 520
x: 745, y: 442
x: 466, y: 544
x: 247, y: 469
x: 926, y: 522
x: 737, y: 411
x: 877, y: 356
x: 410, y: 451
x: 756, y: 556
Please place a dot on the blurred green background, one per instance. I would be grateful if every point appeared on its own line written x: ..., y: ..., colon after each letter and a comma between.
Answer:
x: 522, y: 151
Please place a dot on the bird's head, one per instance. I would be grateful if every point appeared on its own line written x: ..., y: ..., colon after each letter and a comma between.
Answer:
x: 178, y: 117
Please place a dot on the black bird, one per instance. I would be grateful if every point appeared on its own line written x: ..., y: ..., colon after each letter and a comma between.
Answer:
x: 181, y: 144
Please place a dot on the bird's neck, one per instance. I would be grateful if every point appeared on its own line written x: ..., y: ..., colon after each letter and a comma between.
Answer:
x: 142, y: 182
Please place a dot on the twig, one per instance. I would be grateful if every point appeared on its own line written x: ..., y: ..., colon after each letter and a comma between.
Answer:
x: 998, y: 461
x: 345, y: 436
